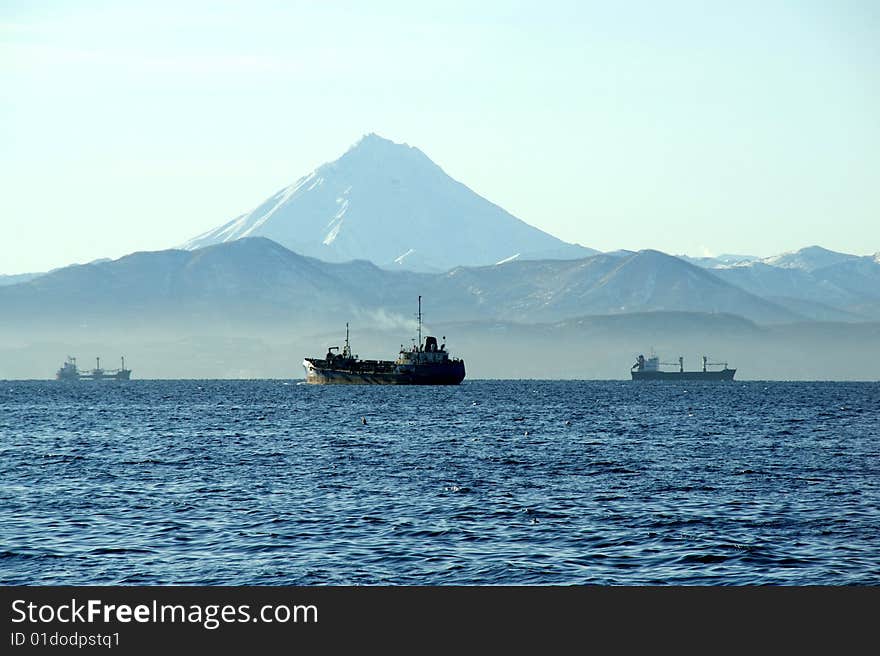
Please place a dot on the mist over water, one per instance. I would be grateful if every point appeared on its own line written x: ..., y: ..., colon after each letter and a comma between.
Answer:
x: 490, y: 482
x: 590, y: 348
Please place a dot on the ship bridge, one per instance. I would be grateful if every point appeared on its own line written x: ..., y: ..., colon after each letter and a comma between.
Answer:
x: 427, y: 353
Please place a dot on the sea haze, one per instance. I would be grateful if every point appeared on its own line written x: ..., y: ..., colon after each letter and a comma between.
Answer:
x: 490, y: 482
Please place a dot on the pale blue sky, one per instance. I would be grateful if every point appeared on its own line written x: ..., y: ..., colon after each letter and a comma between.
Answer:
x: 690, y: 127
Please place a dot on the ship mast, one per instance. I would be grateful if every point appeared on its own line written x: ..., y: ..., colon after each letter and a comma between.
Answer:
x: 347, y: 352
x: 420, y: 323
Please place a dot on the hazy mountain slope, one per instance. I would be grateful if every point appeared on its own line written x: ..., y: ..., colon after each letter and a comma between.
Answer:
x: 771, y: 281
x: 17, y: 278
x: 819, y: 311
x: 725, y: 260
x: 858, y: 276
x: 390, y: 204
x: 603, y: 284
x: 258, y: 278
x: 651, y: 280
x: 238, y: 282
x: 846, y: 284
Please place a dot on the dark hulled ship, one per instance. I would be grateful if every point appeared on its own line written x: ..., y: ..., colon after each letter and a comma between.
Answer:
x: 424, y: 364
x: 70, y: 371
x: 649, y: 369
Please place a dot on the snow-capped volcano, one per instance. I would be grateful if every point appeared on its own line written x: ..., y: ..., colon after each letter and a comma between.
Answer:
x: 390, y: 204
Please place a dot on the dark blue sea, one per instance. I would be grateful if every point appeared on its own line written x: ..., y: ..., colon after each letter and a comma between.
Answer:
x: 491, y: 482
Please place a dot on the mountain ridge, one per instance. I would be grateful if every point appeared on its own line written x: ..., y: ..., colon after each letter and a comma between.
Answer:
x: 257, y: 276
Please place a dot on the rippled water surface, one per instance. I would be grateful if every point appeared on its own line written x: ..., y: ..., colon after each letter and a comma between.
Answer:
x: 490, y: 482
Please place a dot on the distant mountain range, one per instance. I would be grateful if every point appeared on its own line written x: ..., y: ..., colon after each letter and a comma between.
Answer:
x: 256, y: 278
x: 390, y: 204
x: 815, y: 282
x: 811, y: 258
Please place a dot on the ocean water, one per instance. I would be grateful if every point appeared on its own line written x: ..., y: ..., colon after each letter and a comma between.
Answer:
x: 490, y: 482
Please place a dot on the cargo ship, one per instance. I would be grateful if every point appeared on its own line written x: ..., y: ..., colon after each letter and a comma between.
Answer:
x: 649, y: 369
x: 70, y: 371
x: 425, y: 363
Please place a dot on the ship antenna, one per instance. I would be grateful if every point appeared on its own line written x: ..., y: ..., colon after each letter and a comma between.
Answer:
x: 420, y: 322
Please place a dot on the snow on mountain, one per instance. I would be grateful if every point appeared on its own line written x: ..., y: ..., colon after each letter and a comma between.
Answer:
x: 808, y: 259
x: 390, y: 204
x: 654, y: 280
x: 602, y: 284
x: 720, y: 261
x: 508, y: 259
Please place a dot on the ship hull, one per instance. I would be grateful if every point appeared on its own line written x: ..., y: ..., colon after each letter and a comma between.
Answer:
x: 724, y: 374
x: 386, y: 373
x: 122, y: 375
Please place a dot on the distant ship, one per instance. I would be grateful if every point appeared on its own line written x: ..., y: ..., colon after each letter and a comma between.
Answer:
x: 69, y: 371
x: 649, y: 369
x: 424, y: 364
